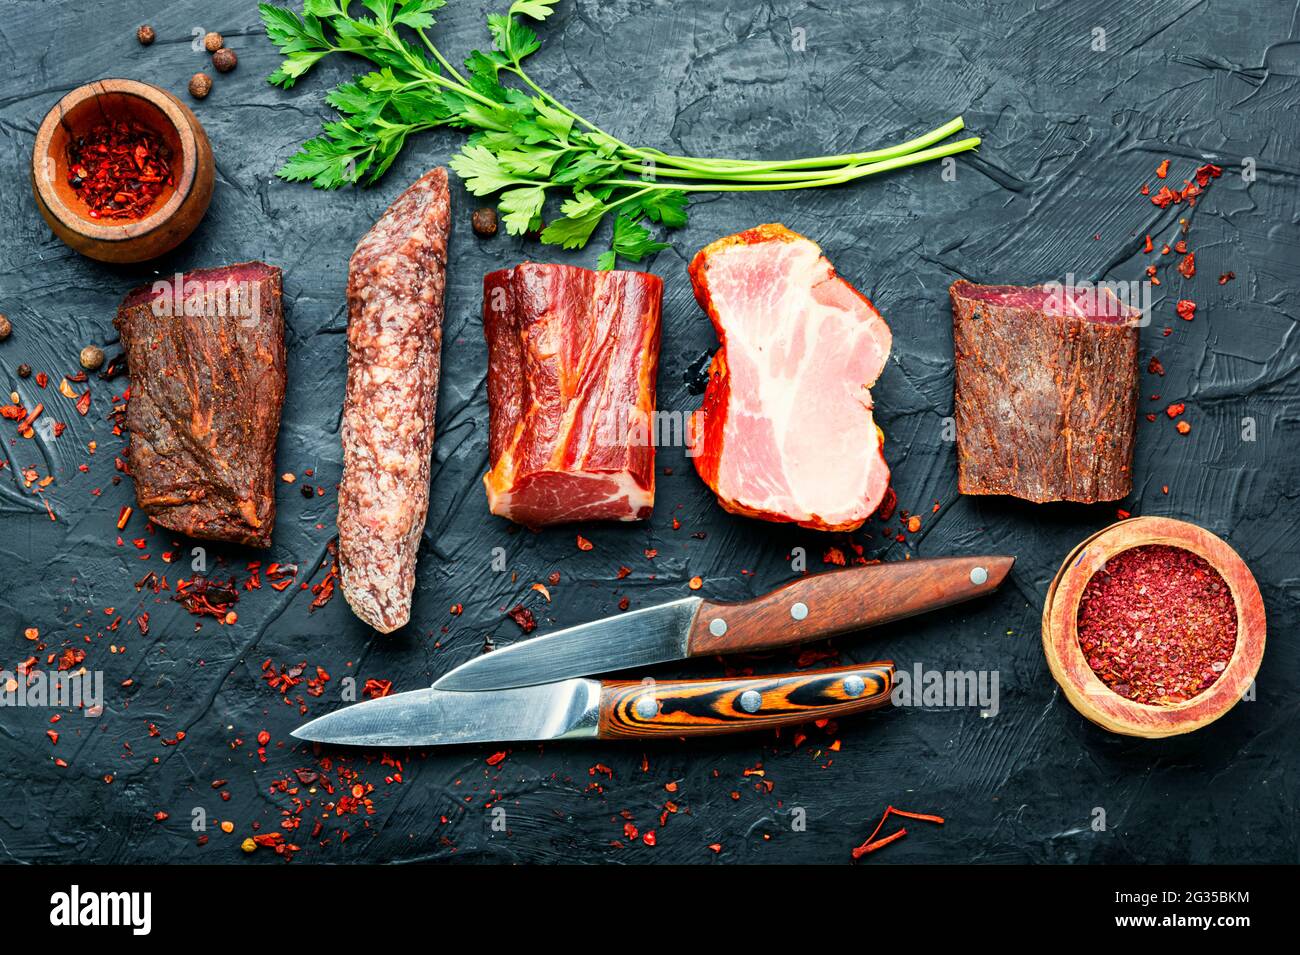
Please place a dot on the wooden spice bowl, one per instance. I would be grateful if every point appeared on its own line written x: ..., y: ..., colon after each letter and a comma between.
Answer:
x: 1086, y: 691
x: 176, y: 211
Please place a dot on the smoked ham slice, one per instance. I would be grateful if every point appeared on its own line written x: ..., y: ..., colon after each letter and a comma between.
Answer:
x: 572, y: 360
x: 786, y: 430
x: 1046, y: 391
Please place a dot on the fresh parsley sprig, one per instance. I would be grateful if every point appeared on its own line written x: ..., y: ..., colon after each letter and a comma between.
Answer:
x: 524, y: 146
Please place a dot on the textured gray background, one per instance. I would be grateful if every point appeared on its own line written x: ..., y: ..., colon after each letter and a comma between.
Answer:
x: 1069, y: 136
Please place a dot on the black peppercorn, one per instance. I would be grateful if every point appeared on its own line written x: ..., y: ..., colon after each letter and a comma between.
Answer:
x: 145, y: 35
x: 24, y: 371
x: 484, y: 221
x: 224, y: 60
x: 200, y: 85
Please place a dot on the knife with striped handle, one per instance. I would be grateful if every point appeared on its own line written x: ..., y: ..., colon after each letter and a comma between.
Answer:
x: 592, y: 709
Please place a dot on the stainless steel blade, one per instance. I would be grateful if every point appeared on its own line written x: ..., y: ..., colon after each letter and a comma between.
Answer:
x: 566, y: 710
x: 640, y: 638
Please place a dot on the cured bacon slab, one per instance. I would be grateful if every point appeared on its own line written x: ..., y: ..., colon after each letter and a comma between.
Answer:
x: 396, y: 279
x: 206, y: 356
x: 786, y: 430
x: 572, y: 360
x: 1046, y: 391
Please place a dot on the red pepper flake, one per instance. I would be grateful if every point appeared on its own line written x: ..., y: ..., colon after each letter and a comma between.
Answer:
x: 1154, y: 366
x: 1148, y: 246
x: 649, y: 837
x: 83, y: 404
x: 583, y: 543
x: 1175, y: 409
x: 1157, y: 624
x: 1163, y: 197
x: 1207, y: 172
x: 541, y: 589
x: 1163, y: 169
x: 1188, y: 265
x: 123, y: 517
x: 1227, y: 277
x: 457, y: 609
x: 1186, y: 309
x: 695, y: 583
x: 623, y: 572
x: 872, y: 843
x: 524, y: 617
x: 624, y: 603
x: 119, y: 169
x: 496, y: 758
x: 42, y: 379
x: 263, y: 737
x: 1183, y: 427
x: 374, y: 689
x: 913, y: 524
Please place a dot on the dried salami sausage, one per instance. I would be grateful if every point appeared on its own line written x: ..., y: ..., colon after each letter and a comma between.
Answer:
x: 396, y: 280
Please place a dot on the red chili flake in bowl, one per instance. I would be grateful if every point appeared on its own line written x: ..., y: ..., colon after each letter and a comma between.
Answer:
x: 118, y: 170
x: 1157, y: 624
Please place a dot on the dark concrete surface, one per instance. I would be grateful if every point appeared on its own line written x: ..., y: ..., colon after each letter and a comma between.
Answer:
x: 1070, y: 134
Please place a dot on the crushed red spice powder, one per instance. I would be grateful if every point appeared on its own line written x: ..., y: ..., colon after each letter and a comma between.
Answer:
x: 1157, y: 624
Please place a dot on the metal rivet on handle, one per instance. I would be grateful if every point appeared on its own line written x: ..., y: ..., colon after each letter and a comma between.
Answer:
x: 751, y: 700
x: 717, y: 626
x: 854, y: 685
x: 799, y: 610
x: 978, y: 576
x: 646, y: 707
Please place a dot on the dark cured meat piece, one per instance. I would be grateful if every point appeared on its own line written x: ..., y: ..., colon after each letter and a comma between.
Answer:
x: 396, y: 279
x: 207, y: 383
x: 1046, y: 392
x: 572, y: 360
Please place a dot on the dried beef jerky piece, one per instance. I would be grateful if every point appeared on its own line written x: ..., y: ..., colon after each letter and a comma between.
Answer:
x: 396, y: 279
x: 206, y: 357
x: 1046, y: 391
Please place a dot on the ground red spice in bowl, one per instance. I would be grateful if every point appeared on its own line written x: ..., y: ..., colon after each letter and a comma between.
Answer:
x: 1157, y: 624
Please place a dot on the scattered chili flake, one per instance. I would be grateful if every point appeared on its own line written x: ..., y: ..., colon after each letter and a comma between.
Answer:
x: 1163, y: 197
x: 524, y: 617
x: 872, y: 843
x: 1175, y: 409
x: 695, y: 583
x: 1227, y: 277
x: 583, y: 543
x: 1188, y: 265
x: 1155, y: 367
x: 1186, y: 309
x: 374, y: 688
x: 1148, y: 244
x: 541, y: 589
x: 457, y: 609
x: 913, y: 524
x: 1207, y: 172
x: 1157, y: 624
x: 1183, y: 427
x: 1163, y: 169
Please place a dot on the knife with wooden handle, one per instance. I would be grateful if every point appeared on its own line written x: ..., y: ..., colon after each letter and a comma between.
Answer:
x: 591, y: 709
x: 809, y: 608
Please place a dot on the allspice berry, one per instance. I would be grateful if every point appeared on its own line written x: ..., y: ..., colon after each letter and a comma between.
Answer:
x: 24, y: 370
x: 6, y: 329
x: 200, y: 85
x: 145, y: 35
x: 484, y: 221
x: 92, y: 357
x: 224, y: 60
x: 212, y: 42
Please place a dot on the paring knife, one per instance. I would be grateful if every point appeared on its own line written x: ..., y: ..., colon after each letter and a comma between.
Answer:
x: 810, y: 608
x: 591, y: 709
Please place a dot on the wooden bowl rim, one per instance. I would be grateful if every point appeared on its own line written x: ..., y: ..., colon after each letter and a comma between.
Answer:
x: 1086, y: 691
x: 175, y: 113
